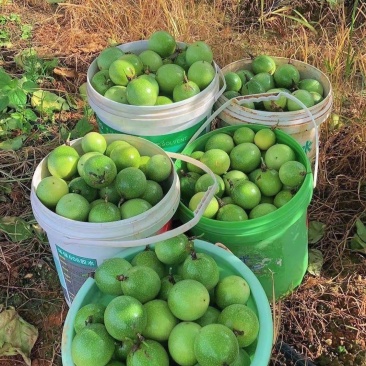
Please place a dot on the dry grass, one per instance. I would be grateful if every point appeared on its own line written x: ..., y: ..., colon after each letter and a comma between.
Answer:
x: 326, y: 312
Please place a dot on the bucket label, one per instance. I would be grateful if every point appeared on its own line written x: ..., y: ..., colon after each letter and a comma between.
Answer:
x: 173, y: 142
x: 75, y: 269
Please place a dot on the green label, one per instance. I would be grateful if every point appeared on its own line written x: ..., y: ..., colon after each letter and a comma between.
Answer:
x: 173, y: 142
x: 75, y: 259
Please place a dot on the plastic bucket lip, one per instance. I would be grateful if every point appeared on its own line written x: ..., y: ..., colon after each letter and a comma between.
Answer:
x: 236, y: 65
x: 68, y: 227
x: 263, y: 349
x: 273, y: 219
x: 138, y: 46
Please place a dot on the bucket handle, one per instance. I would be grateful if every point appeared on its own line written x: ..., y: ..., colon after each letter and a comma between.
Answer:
x: 223, y: 81
x: 260, y: 98
x: 197, y: 214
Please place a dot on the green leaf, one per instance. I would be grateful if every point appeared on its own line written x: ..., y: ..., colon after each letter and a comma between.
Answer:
x: 17, y: 98
x: 82, y: 127
x: 5, y: 79
x: 16, y: 228
x: 29, y: 86
x: 315, y: 262
x: 16, y: 335
x: 13, y: 123
x: 30, y: 115
x: 4, y: 102
x: 46, y: 102
x: 13, y: 144
x: 361, y: 230
x: 315, y: 231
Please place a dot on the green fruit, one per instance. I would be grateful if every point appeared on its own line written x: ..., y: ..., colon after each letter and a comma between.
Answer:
x: 149, y: 352
x: 163, y: 100
x: 252, y: 87
x: 265, y: 138
x: 168, y: 76
x: 141, y: 282
x: 110, y: 194
x: 263, y: 63
x: 92, y: 346
x: 209, y: 317
x: 125, y: 317
x: 216, y: 345
x: 211, y: 209
x: 104, y: 212
x: 231, y: 178
x: 181, y: 343
x: 202, y: 268
x: 282, y: 197
x: 205, y: 181
x: 107, y: 56
x: 217, y: 160
x: 229, y: 94
x: 167, y: 284
x: 230, y: 290
x: 202, y: 73
x: 121, y: 72
x: 130, y: 183
x: 262, y: 209
x: 268, y: 181
x: 193, y: 168
x: 303, y: 96
x: 245, y: 75
x: 187, y: 184
x: 101, y: 81
x: 181, y: 60
x: 82, y: 160
x: 286, y: 76
x: 99, y: 171
x: 158, y: 168
x: 311, y: 85
x: 117, y: 93
x: 151, y: 60
x: 198, y: 51
x: 221, y: 141
x: 154, y: 192
x: 73, y: 206
x: 278, y: 154
x: 174, y: 250
x: 188, y: 300
x: 275, y: 105
x: 243, y: 134
x: 162, y: 42
x: 317, y: 97
x: 89, y: 314
x: 125, y: 156
x: 243, y: 321
x: 148, y: 258
x: 160, y: 320
x: 292, y: 173
x: 141, y: 92
x: 123, y: 349
x: 231, y: 212
x: 50, y: 190
x: 79, y: 186
x: 62, y: 162
x: 114, y: 144
x: 134, y: 207
x: 245, y: 157
x: 93, y: 141
x: 265, y: 79
x: 185, y: 90
x: 233, y: 81
x: 135, y: 61
x: 243, y: 359
x: 107, y: 273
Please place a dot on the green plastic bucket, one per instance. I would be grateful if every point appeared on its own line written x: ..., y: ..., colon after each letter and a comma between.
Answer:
x: 259, y: 352
x: 275, y: 246
x: 169, y: 126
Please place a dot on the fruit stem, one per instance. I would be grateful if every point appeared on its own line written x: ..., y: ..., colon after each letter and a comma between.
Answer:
x: 194, y: 255
x: 263, y: 165
x: 121, y: 277
x: 238, y: 332
x: 147, y: 248
x: 171, y: 279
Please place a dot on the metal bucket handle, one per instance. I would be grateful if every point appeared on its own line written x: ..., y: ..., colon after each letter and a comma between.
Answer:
x: 260, y: 98
x: 197, y: 214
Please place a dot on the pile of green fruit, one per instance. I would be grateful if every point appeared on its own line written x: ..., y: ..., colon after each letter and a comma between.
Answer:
x: 106, y: 182
x: 256, y: 175
x: 264, y: 76
x: 161, y: 74
x: 170, y: 305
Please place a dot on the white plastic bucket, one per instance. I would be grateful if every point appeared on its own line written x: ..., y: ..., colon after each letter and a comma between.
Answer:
x: 79, y: 247
x: 169, y: 126
x: 298, y: 124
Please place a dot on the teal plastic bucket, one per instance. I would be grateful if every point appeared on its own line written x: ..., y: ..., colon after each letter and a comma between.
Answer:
x: 169, y: 126
x: 274, y: 246
x: 259, y: 352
